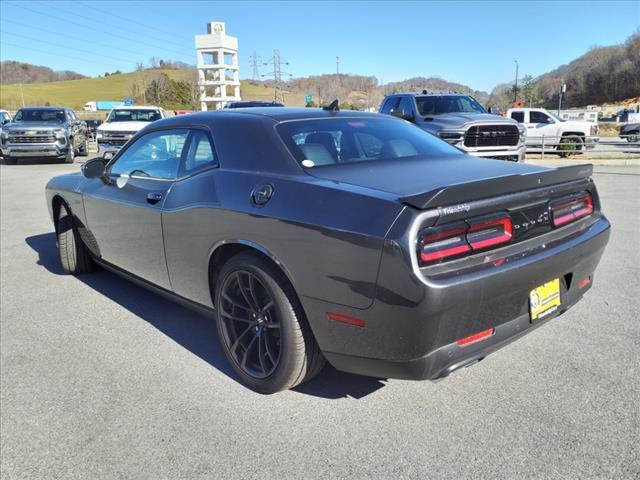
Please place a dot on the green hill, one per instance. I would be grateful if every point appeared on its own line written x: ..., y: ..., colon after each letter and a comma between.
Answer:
x: 75, y: 93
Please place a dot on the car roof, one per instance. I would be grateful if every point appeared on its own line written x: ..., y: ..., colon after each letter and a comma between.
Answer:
x: 426, y: 93
x: 136, y: 107
x: 48, y: 107
x: 280, y: 114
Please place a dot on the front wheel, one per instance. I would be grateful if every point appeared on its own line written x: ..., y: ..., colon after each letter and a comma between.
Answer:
x: 71, y: 153
x: 263, y: 330
x: 74, y: 254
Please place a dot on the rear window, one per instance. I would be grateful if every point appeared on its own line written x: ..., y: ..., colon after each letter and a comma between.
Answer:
x: 315, y: 143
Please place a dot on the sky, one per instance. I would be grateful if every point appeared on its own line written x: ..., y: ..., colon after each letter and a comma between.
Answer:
x: 473, y: 43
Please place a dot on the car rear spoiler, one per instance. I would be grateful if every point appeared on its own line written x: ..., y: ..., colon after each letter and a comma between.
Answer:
x: 464, y: 192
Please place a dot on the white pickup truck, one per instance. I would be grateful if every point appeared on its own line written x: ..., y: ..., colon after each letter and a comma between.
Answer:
x: 123, y: 123
x: 555, y: 133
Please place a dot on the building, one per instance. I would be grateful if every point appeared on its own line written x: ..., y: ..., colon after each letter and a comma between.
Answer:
x: 218, y: 70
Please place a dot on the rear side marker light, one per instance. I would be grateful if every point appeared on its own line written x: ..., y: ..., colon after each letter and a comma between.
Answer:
x: 584, y: 282
x: 568, y: 210
x: 342, y: 318
x: 476, y: 337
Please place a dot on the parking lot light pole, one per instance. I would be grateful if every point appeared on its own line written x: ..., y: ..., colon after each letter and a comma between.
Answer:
x: 515, y: 88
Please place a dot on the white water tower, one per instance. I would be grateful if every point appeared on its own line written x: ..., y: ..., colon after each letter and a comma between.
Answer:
x: 218, y: 70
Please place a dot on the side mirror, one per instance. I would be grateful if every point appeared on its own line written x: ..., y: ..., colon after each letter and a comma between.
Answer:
x: 95, y: 168
x: 400, y: 113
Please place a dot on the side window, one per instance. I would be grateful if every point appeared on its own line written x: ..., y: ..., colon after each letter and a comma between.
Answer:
x: 389, y: 105
x: 156, y: 154
x: 538, y: 117
x: 518, y: 116
x: 200, y: 154
x: 406, y: 105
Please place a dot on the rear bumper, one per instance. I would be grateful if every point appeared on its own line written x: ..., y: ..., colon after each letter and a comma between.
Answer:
x: 412, y: 328
x: 35, y: 150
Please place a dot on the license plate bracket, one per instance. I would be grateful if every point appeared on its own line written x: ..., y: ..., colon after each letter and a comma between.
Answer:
x: 544, y: 300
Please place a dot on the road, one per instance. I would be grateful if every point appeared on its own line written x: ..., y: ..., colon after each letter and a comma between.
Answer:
x: 101, y: 379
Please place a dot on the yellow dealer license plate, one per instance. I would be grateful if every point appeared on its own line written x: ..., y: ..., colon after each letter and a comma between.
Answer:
x: 545, y: 299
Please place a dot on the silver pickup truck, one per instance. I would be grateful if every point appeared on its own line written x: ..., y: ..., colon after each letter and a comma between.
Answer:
x: 461, y: 121
x: 44, y: 132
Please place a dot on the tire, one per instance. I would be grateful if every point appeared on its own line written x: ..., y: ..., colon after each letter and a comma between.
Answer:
x: 74, y: 255
x: 264, y: 332
x: 570, y: 144
x: 84, y: 149
x: 71, y: 153
x: 633, y: 137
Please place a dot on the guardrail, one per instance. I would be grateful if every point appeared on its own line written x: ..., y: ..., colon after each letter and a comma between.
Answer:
x: 624, y: 146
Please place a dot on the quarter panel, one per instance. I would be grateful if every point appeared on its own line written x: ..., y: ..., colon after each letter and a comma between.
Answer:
x: 328, y: 239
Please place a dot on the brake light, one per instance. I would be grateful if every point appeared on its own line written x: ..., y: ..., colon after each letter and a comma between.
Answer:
x: 444, y: 243
x: 476, y: 337
x: 490, y: 233
x: 568, y: 210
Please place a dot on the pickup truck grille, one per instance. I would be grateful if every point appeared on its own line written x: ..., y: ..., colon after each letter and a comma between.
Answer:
x: 38, y: 137
x: 117, y: 138
x: 492, y: 136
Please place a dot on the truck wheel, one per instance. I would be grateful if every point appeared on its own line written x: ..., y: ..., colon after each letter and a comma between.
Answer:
x: 569, y: 145
x: 633, y: 137
x: 84, y: 149
x: 262, y: 327
x: 71, y: 153
x: 74, y: 255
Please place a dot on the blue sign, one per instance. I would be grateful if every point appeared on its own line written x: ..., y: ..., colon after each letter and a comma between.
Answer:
x: 128, y: 102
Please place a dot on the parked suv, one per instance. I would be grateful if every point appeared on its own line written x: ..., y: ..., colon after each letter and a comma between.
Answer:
x: 564, y: 136
x: 44, y: 132
x: 461, y: 121
x: 123, y: 123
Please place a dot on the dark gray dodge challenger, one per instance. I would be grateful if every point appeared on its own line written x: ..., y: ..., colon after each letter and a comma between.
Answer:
x: 351, y: 237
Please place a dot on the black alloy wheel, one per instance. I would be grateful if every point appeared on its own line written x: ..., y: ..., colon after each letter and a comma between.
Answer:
x: 250, y: 324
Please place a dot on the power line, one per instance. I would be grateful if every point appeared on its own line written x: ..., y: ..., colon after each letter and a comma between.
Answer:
x: 93, y: 29
x: 66, y: 47
x: 55, y: 54
x: 65, y: 35
x: 155, y: 29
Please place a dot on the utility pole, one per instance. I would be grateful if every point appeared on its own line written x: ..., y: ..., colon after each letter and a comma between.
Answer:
x: 563, y: 88
x: 515, y: 88
x: 254, y: 62
x: 277, y: 61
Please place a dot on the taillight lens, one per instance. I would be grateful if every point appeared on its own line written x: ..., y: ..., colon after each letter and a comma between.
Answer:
x: 569, y: 209
x: 454, y: 240
x: 490, y: 232
x: 445, y: 242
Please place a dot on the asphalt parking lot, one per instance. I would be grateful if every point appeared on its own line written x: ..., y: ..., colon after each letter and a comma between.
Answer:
x: 102, y: 379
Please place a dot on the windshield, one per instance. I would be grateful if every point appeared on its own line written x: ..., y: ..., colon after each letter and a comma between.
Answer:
x: 40, y: 116
x: 439, y: 104
x: 337, y: 141
x: 132, y: 115
x: 556, y: 117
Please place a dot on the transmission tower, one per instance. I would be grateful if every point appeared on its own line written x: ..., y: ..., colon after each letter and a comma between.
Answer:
x: 277, y: 61
x: 254, y: 63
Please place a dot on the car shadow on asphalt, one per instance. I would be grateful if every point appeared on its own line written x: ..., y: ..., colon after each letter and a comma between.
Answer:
x: 194, y: 331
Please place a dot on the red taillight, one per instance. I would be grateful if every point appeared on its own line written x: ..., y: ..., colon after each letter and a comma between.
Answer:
x: 476, y: 337
x: 489, y: 233
x: 445, y: 243
x: 568, y: 210
x: 461, y: 238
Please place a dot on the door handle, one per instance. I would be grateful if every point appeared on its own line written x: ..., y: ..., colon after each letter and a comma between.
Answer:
x: 154, y: 197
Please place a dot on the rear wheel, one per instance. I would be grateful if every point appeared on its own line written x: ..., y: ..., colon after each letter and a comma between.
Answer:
x: 569, y: 145
x: 74, y: 255
x: 263, y: 330
x: 633, y: 137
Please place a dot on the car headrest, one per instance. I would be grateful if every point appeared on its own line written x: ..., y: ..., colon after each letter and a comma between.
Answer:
x: 317, y: 153
x: 398, y: 148
x: 325, y: 139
